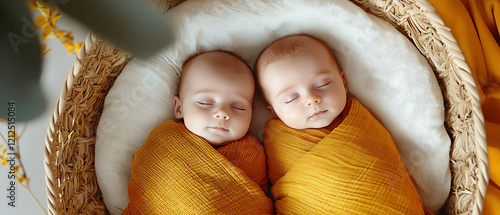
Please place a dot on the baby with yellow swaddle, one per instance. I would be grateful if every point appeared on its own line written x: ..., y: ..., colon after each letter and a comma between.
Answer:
x: 207, y: 164
x: 326, y: 153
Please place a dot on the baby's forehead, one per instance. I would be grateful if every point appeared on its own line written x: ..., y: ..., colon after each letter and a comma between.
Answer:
x: 216, y: 71
x: 213, y: 62
x: 211, y: 85
x: 209, y: 71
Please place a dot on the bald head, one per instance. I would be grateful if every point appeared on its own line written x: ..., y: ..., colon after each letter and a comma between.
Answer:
x: 213, y: 62
x: 215, y: 97
x: 298, y: 76
x: 286, y: 47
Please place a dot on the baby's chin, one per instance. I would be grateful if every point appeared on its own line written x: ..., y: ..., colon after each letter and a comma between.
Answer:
x: 309, y: 126
x: 220, y: 142
x: 320, y: 124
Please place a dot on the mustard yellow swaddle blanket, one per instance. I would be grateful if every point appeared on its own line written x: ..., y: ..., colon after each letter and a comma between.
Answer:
x: 354, y: 169
x: 177, y: 172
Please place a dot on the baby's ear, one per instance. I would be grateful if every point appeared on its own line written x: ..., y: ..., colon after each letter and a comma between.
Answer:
x: 177, y: 107
x: 271, y: 110
x: 344, y: 80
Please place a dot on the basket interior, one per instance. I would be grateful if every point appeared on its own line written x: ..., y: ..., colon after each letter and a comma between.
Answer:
x: 70, y: 144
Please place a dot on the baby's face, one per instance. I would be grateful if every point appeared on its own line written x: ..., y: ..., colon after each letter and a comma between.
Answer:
x: 216, y: 103
x: 305, y: 90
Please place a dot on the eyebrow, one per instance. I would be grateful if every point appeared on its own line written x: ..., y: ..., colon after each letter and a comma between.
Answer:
x: 283, y: 91
x: 211, y: 91
x: 323, y: 72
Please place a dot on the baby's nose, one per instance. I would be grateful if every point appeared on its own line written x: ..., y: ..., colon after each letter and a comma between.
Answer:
x: 313, y: 99
x: 220, y: 114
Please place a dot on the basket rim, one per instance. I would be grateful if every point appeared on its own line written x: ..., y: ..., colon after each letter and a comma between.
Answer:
x: 424, y: 7
x: 87, y: 48
x: 456, y: 54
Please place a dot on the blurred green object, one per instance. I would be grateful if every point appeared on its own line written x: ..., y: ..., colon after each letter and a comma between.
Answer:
x: 20, y: 62
x: 133, y: 25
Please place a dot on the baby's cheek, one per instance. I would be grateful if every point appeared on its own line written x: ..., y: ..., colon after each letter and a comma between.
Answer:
x: 243, y: 123
x: 292, y: 113
x: 293, y: 117
x: 196, y: 119
x: 282, y: 112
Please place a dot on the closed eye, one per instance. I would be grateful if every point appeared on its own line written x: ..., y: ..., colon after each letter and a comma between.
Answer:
x: 238, y: 108
x: 291, y: 100
x: 324, y: 85
x: 205, y: 103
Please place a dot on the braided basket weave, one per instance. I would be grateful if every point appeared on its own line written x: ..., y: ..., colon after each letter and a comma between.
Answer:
x: 69, y: 151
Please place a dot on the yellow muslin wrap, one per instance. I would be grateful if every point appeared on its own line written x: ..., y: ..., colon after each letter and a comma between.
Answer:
x: 354, y: 169
x: 177, y: 172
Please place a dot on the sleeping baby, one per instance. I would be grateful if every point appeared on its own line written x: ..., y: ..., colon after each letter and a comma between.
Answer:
x: 326, y: 153
x: 207, y: 163
x: 215, y: 102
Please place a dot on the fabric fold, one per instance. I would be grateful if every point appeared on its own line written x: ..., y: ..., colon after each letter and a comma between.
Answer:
x: 354, y: 169
x: 177, y: 172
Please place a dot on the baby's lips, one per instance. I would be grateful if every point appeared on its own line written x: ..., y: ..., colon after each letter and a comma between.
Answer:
x: 217, y: 128
x: 317, y: 114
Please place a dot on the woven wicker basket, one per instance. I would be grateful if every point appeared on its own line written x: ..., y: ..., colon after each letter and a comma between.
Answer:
x: 69, y: 151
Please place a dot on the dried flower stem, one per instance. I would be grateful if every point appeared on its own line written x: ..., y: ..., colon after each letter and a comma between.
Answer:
x: 28, y: 190
x: 23, y: 179
x: 47, y: 21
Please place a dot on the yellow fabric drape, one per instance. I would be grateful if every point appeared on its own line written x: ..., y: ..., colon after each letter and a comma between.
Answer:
x: 475, y: 25
x: 354, y: 169
x: 177, y: 172
x: 248, y: 154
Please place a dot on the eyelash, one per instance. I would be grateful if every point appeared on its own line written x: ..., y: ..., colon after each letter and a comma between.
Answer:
x: 205, y: 103
x: 210, y: 104
x: 323, y: 85
x: 293, y: 99
x: 238, y: 108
